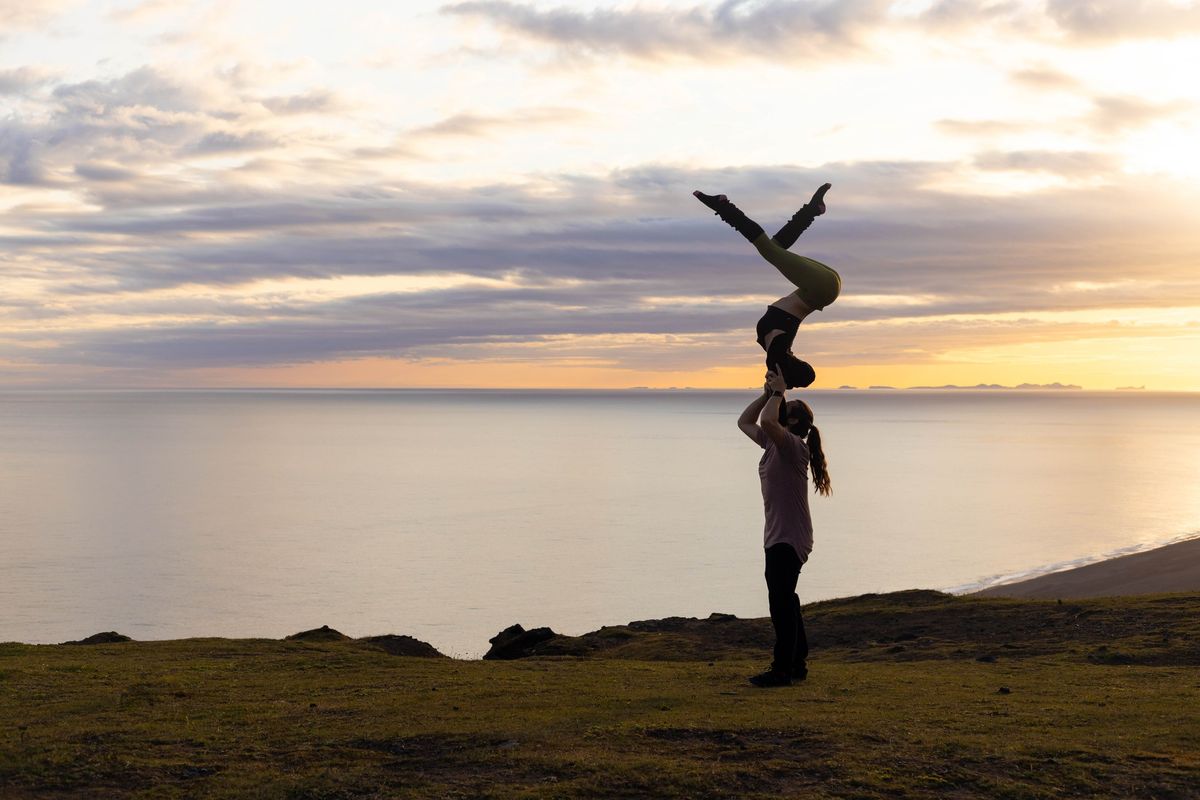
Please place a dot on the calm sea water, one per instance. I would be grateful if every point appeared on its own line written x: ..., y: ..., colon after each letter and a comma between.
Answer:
x: 448, y: 515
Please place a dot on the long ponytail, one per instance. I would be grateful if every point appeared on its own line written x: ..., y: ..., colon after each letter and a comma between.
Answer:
x: 805, y: 429
x: 820, y: 470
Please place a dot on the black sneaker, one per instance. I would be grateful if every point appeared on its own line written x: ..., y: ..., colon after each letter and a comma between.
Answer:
x: 713, y: 201
x: 817, y: 204
x: 770, y: 679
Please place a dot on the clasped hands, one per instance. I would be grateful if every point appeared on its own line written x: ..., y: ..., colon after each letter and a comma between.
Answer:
x: 775, y: 381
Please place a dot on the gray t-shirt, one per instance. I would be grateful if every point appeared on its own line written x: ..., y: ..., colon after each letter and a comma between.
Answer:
x: 783, y: 473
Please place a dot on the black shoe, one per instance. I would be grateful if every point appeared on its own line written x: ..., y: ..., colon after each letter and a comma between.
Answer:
x: 730, y: 214
x: 817, y: 204
x: 713, y: 201
x: 799, y: 673
x: 770, y: 679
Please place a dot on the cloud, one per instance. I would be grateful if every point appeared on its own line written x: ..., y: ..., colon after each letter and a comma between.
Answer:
x: 104, y: 172
x: 472, y: 125
x: 1070, y: 164
x: 468, y: 125
x: 145, y: 86
x: 148, y: 121
x: 1074, y: 22
x: 23, y: 79
x: 1045, y: 78
x: 220, y: 142
x: 315, y: 101
x: 215, y: 212
x: 30, y: 13
x: 19, y: 162
x: 630, y: 254
x: 145, y: 10
x: 965, y: 14
x: 1112, y: 115
x: 1096, y: 22
x: 776, y: 29
x: 981, y: 127
x: 791, y: 30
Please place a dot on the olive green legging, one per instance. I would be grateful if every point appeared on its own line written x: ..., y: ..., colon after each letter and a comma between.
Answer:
x: 818, y: 284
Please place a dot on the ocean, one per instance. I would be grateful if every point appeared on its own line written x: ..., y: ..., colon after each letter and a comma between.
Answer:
x: 449, y: 515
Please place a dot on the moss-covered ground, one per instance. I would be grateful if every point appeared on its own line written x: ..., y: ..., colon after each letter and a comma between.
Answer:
x: 942, y: 711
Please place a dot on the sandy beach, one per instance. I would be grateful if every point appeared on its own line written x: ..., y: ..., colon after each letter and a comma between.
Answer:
x: 1172, y: 568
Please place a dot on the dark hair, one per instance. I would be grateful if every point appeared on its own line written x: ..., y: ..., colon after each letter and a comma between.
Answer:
x: 805, y: 429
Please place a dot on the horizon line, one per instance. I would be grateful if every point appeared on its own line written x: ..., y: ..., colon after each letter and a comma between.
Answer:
x: 989, y: 388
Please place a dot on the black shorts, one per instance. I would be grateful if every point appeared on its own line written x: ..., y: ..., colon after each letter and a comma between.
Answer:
x: 776, y: 319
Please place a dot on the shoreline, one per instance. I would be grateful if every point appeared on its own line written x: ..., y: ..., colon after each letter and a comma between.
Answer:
x: 1168, y: 568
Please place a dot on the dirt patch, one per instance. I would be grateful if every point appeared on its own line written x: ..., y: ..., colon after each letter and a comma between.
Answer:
x: 462, y: 765
x: 753, y: 743
x: 434, y: 746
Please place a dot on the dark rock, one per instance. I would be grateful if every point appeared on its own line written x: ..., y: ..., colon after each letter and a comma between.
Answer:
x: 1004, y: 690
x: 909, y: 598
x: 401, y: 646
x: 107, y: 637
x: 670, y: 639
x: 864, y: 628
x: 516, y: 642
x: 321, y: 634
x: 987, y: 658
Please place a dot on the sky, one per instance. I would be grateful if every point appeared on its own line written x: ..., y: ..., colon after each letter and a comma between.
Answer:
x: 498, y: 194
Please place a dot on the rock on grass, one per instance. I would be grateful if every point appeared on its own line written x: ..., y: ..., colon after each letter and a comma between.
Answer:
x: 321, y: 634
x: 394, y: 644
x: 397, y: 645
x: 105, y: 637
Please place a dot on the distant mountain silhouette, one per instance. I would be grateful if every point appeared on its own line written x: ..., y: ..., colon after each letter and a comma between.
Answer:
x: 1026, y: 386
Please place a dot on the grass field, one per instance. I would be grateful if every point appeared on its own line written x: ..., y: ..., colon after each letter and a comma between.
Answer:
x: 933, y: 705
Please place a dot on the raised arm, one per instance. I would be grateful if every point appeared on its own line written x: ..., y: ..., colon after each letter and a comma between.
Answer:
x: 776, y: 384
x: 748, y: 421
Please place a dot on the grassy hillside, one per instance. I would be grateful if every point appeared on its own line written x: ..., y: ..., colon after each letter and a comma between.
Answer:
x: 916, y: 694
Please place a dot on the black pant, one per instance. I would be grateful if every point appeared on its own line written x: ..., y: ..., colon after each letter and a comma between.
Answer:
x: 791, y: 643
